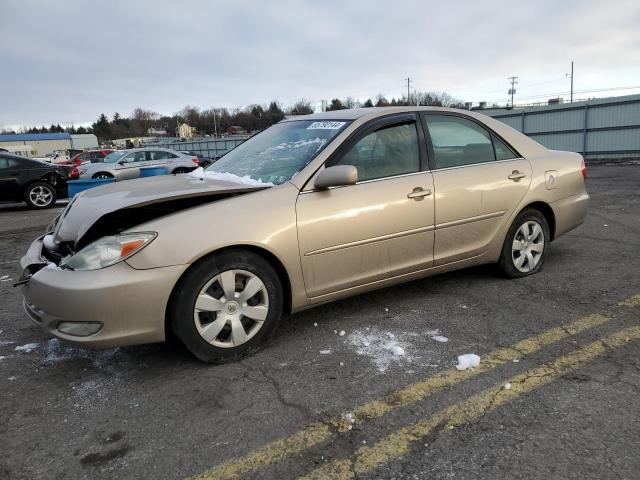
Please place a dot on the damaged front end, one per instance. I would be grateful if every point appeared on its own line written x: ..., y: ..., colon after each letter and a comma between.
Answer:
x: 94, y: 231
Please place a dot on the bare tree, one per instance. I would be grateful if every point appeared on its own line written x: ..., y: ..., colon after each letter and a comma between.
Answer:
x: 301, y: 107
x: 142, y: 120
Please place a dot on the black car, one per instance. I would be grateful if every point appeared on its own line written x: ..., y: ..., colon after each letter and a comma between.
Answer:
x: 37, y: 183
x: 204, y: 160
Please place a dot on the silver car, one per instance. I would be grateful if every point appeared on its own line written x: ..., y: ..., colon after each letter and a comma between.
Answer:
x: 126, y: 164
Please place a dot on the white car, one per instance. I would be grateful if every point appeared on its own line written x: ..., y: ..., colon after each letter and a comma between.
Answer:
x: 126, y: 164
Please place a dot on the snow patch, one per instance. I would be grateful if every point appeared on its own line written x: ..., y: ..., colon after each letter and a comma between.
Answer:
x: 507, y: 386
x: 56, y: 352
x: 439, y: 338
x: 342, y: 333
x: 397, y: 350
x: 383, y: 348
x: 201, y: 174
x: 5, y: 278
x: 27, y: 348
x: 325, y: 352
x: 468, y: 360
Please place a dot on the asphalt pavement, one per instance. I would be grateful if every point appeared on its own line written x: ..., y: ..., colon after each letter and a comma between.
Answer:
x: 556, y: 394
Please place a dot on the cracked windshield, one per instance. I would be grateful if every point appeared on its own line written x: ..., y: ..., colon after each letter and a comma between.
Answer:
x: 277, y: 154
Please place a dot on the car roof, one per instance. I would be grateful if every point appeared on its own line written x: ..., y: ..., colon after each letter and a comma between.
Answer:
x: 355, y: 113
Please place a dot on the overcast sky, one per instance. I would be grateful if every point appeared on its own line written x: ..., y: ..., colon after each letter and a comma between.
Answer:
x: 67, y: 61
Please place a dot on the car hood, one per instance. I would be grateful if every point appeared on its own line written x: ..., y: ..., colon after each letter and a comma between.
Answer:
x: 141, y: 200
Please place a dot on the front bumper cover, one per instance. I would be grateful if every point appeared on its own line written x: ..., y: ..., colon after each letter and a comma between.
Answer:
x: 130, y: 303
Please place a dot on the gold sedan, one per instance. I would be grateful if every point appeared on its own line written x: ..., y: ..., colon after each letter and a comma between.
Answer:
x: 313, y: 209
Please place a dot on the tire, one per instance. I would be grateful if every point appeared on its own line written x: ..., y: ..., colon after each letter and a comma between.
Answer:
x: 40, y: 195
x: 102, y: 175
x: 180, y: 170
x: 216, y: 335
x: 531, y: 230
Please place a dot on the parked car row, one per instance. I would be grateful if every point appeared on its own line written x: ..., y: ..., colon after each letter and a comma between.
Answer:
x: 39, y: 183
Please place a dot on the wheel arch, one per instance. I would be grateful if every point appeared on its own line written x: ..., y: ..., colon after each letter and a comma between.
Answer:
x: 27, y: 185
x: 546, y: 210
x: 110, y: 175
x: 273, y: 260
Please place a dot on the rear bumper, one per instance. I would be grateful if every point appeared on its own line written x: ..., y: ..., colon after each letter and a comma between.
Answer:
x: 129, y: 304
x: 570, y: 212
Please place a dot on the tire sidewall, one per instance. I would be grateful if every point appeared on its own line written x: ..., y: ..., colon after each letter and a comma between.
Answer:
x: 506, y: 259
x: 51, y: 188
x: 186, y: 291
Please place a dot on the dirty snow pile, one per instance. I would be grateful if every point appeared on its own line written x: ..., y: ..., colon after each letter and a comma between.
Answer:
x: 201, y: 174
x: 384, y: 348
x: 468, y: 360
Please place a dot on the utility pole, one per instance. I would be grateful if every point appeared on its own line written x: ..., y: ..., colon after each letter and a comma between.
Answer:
x: 571, y: 81
x: 408, y: 83
x: 512, y: 90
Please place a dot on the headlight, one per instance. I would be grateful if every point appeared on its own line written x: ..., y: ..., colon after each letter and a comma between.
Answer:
x: 108, y: 251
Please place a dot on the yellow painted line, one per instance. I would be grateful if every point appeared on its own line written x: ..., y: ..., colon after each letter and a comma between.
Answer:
x: 398, y: 443
x: 319, y: 432
x: 631, y: 302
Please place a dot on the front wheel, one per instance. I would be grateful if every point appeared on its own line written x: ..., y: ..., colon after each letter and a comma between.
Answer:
x: 40, y: 195
x: 180, y: 170
x: 226, y: 306
x: 525, y: 246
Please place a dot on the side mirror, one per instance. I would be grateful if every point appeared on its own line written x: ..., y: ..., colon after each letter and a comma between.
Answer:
x: 337, y: 176
x: 121, y: 162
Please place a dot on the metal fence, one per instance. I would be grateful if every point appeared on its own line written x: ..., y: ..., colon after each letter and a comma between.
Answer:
x: 608, y: 127
x: 208, y: 147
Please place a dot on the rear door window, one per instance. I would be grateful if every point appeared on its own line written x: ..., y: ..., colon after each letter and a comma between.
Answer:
x: 503, y: 152
x: 457, y: 141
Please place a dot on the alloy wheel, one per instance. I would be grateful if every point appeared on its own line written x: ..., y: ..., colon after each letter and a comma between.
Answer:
x: 41, y: 196
x: 528, y: 246
x: 231, y: 308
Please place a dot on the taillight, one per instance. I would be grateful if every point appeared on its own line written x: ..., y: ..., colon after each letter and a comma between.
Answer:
x: 195, y: 160
x: 584, y: 169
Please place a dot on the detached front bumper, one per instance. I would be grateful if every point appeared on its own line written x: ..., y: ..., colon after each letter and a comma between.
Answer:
x: 129, y: 304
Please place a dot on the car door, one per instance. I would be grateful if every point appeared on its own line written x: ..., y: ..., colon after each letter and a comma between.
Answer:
x: 9, y: 175
x: 161, y: 158
x: 129, y: 166
x: 378, y: 228
x: 479, y: 180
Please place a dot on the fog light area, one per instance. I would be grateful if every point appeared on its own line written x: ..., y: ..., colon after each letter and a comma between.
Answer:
x: 79, y: 329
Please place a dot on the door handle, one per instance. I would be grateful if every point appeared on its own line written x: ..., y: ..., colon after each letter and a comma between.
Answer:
x: 418, y: 193
x: 516, y: 175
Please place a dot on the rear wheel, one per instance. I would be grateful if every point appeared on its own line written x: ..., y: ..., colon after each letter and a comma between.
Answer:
x: 40, y: 195
x: 525, y: 246
x: 102, y: 176
x: 226, y: 306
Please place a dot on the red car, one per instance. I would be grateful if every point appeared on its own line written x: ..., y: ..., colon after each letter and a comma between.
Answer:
x: 92, y: 156
x: 88, y: 156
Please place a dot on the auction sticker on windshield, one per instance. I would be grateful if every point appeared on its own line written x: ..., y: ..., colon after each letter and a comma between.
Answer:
x: 325, y: 125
